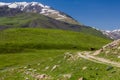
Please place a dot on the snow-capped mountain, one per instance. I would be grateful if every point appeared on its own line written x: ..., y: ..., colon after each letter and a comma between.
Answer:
x: 115, y: 34
x: 37, y: 7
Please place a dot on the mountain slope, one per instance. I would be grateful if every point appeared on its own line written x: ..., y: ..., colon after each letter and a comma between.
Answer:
x: 25, y: 20
x: 17, y: 40
x: 6, y: 11
x: 115, y: 34
x: 54, y: 66
x: 35, y: 52
x: 23, y: 14
x: 36, y: 7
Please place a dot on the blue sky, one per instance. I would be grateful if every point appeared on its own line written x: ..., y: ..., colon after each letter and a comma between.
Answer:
x: 102, y: 14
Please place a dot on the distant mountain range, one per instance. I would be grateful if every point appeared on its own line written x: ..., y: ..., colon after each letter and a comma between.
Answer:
x: 115, y: 34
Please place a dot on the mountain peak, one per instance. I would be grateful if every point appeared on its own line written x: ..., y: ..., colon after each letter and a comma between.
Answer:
x: 18, y: 4
x: 114, y: 34
x: 37, y: 7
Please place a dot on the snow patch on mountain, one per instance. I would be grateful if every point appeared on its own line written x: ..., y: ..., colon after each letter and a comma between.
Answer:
x: 115, y: 34
x: 37, y: 7
x: 14, y: 5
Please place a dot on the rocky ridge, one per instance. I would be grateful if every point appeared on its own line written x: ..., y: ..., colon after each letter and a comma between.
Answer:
x: 36, y: 7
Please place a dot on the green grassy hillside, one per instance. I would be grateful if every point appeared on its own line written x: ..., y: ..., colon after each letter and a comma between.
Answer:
x: 55, y: 65
x: 28, y: 20
x: 15, y: 40
x: 28, y: 53
x: 29, y: 50
x: 33, y: 46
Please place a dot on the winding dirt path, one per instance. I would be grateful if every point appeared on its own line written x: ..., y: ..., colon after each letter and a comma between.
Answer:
x: 88, y: 56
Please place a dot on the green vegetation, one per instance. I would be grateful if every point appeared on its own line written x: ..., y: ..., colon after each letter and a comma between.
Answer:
x: 111, y: 51
x: 43, y: 61
x: 32, y: 47
x: 22, y: 20
x: 112, y: 54
x: 28, y: 20
x: 26, y: 53
x: 16, y: 40
x: 93, y: 31
x: 25, y: 58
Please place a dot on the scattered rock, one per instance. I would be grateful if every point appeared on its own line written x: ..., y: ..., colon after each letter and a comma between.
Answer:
x: 70, y: 57
x: 27, y: 73
x: 26, y: 78
x: 107, y: 52
x: 82, y: 78
x: 42, y: 76
x: 38, y: 64
x: 25, y: 67
x: 34, y: 70
x: 30, y: 69
x: 118, y: 47
x: 96, y: 69
x: 118, y: 56
x: 67, y: 55
x: 115, y: 53
x: 46, y: 68
x: 84, y: 68
x: 67, y: 76
x: 54, y: 67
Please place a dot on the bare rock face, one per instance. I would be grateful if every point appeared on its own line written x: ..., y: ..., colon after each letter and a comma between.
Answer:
x: 6, y: 11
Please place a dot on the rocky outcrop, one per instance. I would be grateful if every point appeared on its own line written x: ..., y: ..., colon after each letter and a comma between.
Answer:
x: 6, y: 11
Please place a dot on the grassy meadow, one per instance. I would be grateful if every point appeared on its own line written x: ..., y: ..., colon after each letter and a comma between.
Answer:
x: 28, y: 65
x: 21, y: 39
x: 26, y: 53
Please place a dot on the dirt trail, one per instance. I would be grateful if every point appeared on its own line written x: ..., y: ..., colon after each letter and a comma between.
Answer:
x: 88, y: 56
x: 97, y: 52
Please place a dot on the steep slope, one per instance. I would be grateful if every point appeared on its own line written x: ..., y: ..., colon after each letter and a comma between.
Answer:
x: 115, y: 34
x: 25, y: 20
x: 36, y: 7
